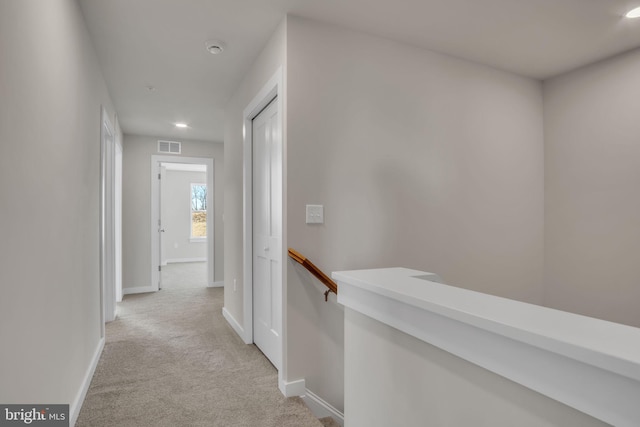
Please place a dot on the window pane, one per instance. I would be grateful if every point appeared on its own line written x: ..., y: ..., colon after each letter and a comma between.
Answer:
x: 199, y: 224
x: 198, y: 210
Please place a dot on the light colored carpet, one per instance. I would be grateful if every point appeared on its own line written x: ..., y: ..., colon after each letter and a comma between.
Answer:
x: 170, y: 359
x: 184, y: 275
x: 329, y: 422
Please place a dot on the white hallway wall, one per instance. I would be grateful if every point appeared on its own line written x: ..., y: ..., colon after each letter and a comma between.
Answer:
x: 176, y: 216
x: 421, y: 160
x: 50, y: 98
x: 136, y: 201
x: 592, y: 206
x: 270, y: 59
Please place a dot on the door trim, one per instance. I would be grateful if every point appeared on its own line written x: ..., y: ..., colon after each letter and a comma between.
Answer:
x: 119, y: 153
x: 155, y: 214
x: 107, y: 213
x: 272, y: 89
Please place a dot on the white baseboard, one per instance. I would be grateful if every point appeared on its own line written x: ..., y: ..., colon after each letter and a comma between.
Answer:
x: 219, y: 284
x: 178, y: 260
x: 138, y: 290
x: 292, y: 388
x: 74, y: 409
x: 235, y: 325
x: 320, y: 408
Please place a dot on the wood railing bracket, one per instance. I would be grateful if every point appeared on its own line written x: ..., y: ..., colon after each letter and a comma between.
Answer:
x: 323, y: 278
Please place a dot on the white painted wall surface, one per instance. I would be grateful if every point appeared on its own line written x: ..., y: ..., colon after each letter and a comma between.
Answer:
x: 421, y: 160
x: 51, y: 92
x: 592, y: 204
x: 269, y: 60
x: 137, y: 204
x: 417, y: 384
x: 589, y: 364
x: 176, y: 216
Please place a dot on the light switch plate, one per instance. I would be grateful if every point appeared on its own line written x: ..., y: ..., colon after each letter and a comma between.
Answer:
x: 315, y: 214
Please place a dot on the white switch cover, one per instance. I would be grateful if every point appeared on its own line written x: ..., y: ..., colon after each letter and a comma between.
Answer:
x: 315, y: 214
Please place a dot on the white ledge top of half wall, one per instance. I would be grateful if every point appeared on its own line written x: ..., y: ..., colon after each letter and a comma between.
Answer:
x: 556, y: 353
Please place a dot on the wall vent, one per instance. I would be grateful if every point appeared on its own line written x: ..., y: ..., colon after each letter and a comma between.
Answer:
x: 171, y: 147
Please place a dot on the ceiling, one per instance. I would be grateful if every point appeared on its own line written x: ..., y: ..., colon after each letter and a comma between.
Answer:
x: 161, y: 44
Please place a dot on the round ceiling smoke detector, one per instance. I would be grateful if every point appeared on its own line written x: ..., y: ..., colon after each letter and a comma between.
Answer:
x: 214, y: 47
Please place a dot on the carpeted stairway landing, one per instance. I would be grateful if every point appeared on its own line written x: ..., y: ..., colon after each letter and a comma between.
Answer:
x: 170, y: 359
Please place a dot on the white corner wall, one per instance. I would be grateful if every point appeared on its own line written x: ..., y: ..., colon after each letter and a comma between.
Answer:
x: 136, y: 204
x: 51, y: 93
x: 421, y: 160
x: 268, y: 61
x: 592, y: 206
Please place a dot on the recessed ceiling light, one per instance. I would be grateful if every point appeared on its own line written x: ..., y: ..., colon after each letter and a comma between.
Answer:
x: 151, y: 88
x: 181, y: 125
x: 214, y: 47
x: 635, y: 13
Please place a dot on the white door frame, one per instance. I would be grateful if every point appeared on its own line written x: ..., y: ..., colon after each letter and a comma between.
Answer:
x: 107, y: 214
x: 155, y: 215
x: 118, y: 211
x: 273, y: 89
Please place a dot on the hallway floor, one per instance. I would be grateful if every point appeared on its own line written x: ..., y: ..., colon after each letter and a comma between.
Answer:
x: 170, y: 359
x: 184, y: 275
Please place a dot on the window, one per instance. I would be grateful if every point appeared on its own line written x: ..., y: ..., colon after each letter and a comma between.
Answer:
x: 198, y: 211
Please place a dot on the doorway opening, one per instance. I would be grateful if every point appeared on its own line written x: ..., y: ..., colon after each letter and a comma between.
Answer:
x: 183, y: 215
x: 182, y: 222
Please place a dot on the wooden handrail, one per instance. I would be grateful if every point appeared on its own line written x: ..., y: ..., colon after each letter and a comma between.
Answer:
x: 324, y: 279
